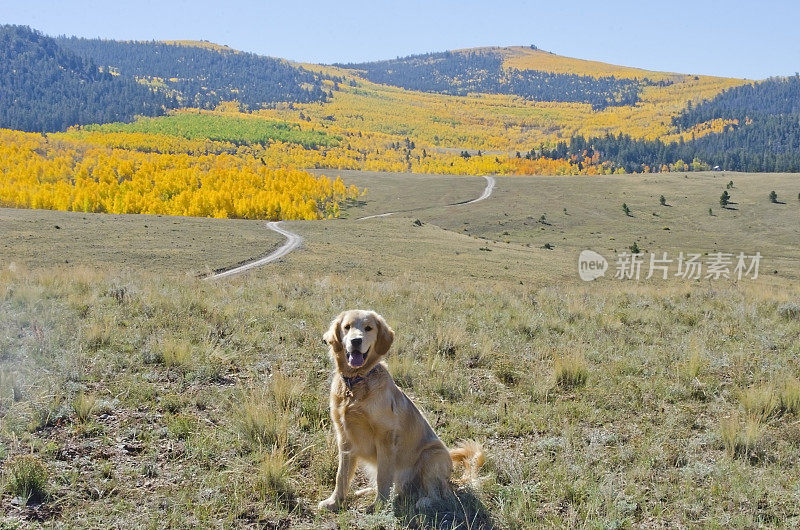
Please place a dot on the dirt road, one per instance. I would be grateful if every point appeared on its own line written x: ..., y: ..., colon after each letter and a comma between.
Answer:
x: 294, y: 240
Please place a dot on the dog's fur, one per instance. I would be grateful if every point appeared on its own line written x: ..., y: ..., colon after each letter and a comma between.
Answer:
x: 378, y: 425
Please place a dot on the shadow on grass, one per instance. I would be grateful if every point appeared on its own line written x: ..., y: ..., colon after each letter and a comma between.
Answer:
x: 463, y: 511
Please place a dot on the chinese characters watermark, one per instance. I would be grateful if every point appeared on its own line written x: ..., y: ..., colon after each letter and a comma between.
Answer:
x: 688, y: 266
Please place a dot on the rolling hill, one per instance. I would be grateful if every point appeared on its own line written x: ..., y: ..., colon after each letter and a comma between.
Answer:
x: 44, y: 87
x: 201, y: 74
x: 512, y: 110
x: 462, y: 73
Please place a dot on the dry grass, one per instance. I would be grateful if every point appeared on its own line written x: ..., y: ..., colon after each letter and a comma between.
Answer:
x: 285, y: 391
x: 262, y: 423
x: 742, y: 436
x: 176, y: 354
x: 174, y: 245
x: 570, y: 371
x: 482, y: 364
x: 790, y: 396
x: 691, y: 368
x: 760, y: 402
x: 212, y: 396
x: 274, y: 478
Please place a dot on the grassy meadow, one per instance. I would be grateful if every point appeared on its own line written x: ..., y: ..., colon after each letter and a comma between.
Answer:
x: 156, y: 243
x: 134, y: 394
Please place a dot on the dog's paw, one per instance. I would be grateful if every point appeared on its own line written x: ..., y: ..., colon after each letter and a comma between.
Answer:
x: 331, y: 504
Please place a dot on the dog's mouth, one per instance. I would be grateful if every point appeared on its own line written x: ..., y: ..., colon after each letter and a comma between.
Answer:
x: 356, y: 358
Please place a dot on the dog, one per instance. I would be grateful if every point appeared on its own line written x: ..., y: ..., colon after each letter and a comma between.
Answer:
x: 377, y: 425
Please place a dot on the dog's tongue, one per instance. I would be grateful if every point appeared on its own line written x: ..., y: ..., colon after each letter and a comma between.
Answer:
x: 355, y: 359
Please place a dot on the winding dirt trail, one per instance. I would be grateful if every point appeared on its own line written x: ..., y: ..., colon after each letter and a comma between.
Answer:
x: 487, y: 191
x: 293, y: 240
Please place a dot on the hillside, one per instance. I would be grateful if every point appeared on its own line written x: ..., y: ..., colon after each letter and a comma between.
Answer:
x: 758, y: 129
x: 46, y: 88
x: 532, y: 58
x: 201, y: 75
x: 447, y: 110
x: 49, y: 84
x: 462, y: 73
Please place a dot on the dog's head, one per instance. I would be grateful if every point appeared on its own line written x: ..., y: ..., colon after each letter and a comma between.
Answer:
x: 358, y: 340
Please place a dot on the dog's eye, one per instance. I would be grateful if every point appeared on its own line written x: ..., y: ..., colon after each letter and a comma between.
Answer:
x: 368, y: 328
x: 347, y: 327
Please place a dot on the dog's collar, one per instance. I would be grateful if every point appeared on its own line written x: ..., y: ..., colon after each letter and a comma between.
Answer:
x: 351, y: 381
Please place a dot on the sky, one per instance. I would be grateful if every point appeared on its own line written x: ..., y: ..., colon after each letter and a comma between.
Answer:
x: 748, y: 39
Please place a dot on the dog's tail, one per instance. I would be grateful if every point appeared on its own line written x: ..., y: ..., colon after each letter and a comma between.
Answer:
x: 470, y: 455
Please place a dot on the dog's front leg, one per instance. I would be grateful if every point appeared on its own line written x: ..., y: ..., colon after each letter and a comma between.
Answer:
x: 385, y: 475
x: 344, y: 475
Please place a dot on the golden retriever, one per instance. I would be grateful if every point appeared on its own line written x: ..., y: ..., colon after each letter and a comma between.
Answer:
x: 378, y: 425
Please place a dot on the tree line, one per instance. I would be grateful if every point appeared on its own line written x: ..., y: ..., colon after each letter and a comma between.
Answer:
x: 771, y: 144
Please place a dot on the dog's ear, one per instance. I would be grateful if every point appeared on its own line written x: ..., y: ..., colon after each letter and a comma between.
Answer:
x: 385, y: 336
x: 333, y: 337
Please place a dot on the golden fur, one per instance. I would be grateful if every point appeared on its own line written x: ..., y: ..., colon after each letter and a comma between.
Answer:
x: 378, y: 425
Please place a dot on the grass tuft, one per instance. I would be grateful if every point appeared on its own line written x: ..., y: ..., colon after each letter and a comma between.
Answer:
x: 97, y: 335
x: 691, y: 368
x: 26, y: 477
x: 84, y: 406
x: 181, y: 426
x: 274, y: 476
x: 760, y: 402
x: 570, y: 371
x: 742, y: 437
x: 177, y: 354
x: 790, y: 396
x: 506, y: 373
x: 286, y: 391
x: 261, y: 423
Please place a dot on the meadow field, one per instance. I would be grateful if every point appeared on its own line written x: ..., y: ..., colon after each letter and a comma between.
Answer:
x: 135, y: 394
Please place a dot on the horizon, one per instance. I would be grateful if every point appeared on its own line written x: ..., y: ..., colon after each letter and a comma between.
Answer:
x: 703, y: 36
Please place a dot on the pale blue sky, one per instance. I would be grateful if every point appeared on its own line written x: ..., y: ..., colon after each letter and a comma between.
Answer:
x: 753, y: 39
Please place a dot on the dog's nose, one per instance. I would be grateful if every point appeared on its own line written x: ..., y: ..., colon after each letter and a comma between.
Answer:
x: 355, y: 343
